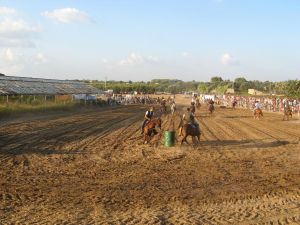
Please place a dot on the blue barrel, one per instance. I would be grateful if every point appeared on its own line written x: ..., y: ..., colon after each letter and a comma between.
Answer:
x: 169, y: 138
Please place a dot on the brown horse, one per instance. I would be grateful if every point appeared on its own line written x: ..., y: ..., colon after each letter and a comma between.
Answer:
x: 211, y: 108
x: 149, y: 129
x: 186, y: 130
x: 258, y: 114
x: 287, y: 113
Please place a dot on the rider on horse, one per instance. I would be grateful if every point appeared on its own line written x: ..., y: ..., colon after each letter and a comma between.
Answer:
x: 193, y: 108
x: 189, y: 118
x: 148, y: 115
x: 257, y: 105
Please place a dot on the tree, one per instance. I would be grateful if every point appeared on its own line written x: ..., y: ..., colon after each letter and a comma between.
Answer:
x: 293, y: 88
x: 203, y: 88
x: 240, y: 80
x: 216, y: 79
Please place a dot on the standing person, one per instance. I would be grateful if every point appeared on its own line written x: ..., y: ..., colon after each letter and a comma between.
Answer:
x: 148, y: 116
x: 173, y: 107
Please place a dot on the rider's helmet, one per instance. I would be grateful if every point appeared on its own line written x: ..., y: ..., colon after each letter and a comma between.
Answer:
x: 151, y: 108
x: 192, y: 103
x: 188, y: 109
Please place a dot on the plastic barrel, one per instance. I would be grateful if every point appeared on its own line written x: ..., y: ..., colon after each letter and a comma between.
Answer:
x: 169, y: 138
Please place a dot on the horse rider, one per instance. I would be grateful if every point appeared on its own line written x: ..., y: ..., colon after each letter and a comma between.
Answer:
x: 257, y: 105
x: 189, y: 118
x: 193, y: 108
x: 148, y: 116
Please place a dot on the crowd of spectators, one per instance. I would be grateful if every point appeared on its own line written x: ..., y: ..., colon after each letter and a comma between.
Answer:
x: 273, y: 104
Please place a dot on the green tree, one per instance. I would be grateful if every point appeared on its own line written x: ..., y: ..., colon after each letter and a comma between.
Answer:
x: 216, y: 79
x: 293, y: 88
x: 203, y: 88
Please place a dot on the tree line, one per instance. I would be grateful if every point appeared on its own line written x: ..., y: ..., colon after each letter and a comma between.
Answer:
x: 216, y: 85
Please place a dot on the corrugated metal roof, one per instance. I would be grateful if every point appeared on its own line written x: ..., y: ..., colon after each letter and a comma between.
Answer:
x: 37, y: 86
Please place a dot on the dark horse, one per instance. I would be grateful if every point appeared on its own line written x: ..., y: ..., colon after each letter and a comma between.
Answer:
x: 287, y: 113
x: 188, y: 130
x: 258, y: 114
x: 211, y: 108
x: 149, y: 129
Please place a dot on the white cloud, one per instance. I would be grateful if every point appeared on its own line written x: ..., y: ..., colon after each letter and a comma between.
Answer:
x: 229, y: 60
x: 67, y: 15
x: 40, y: 58
x: 14, y: 31
x: 7, y: 11
x: 14, y: 62
x: 16, y: 28
x: 12, y: 70
x: 10, y: 56
x: 11, y: 62
x: 135, y: 59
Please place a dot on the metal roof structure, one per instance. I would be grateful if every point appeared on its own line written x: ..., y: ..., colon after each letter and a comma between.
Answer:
x: 37, y: 86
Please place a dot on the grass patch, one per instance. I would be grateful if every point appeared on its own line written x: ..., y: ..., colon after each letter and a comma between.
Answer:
x: 18, y: 108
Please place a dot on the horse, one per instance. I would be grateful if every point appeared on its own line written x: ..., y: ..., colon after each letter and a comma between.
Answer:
x: 188, y: 130
x: 258, y: 113
x: 149, y: 129
x: 287, y: 113
x: 211, y: 108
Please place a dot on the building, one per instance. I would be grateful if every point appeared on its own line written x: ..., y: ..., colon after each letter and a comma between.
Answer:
x: 255, y: 92
x: 12, y: 87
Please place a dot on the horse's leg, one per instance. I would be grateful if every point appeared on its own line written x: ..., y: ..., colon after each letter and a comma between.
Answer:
x: 145, y: 135
x: 180, y: 132
x: 182, y: 141
x: 198, y: 137
x: 185, y: 139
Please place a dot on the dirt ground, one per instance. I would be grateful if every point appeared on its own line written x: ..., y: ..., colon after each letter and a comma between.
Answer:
x: 93, y: 168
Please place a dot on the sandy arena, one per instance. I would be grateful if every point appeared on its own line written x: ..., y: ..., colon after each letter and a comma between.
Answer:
x: 93, y: 168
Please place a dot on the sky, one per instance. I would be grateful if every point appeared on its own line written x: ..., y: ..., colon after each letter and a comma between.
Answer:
x: 150, y: 39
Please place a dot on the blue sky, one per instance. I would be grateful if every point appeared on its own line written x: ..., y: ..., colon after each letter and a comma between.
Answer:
x: 143, y: 40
